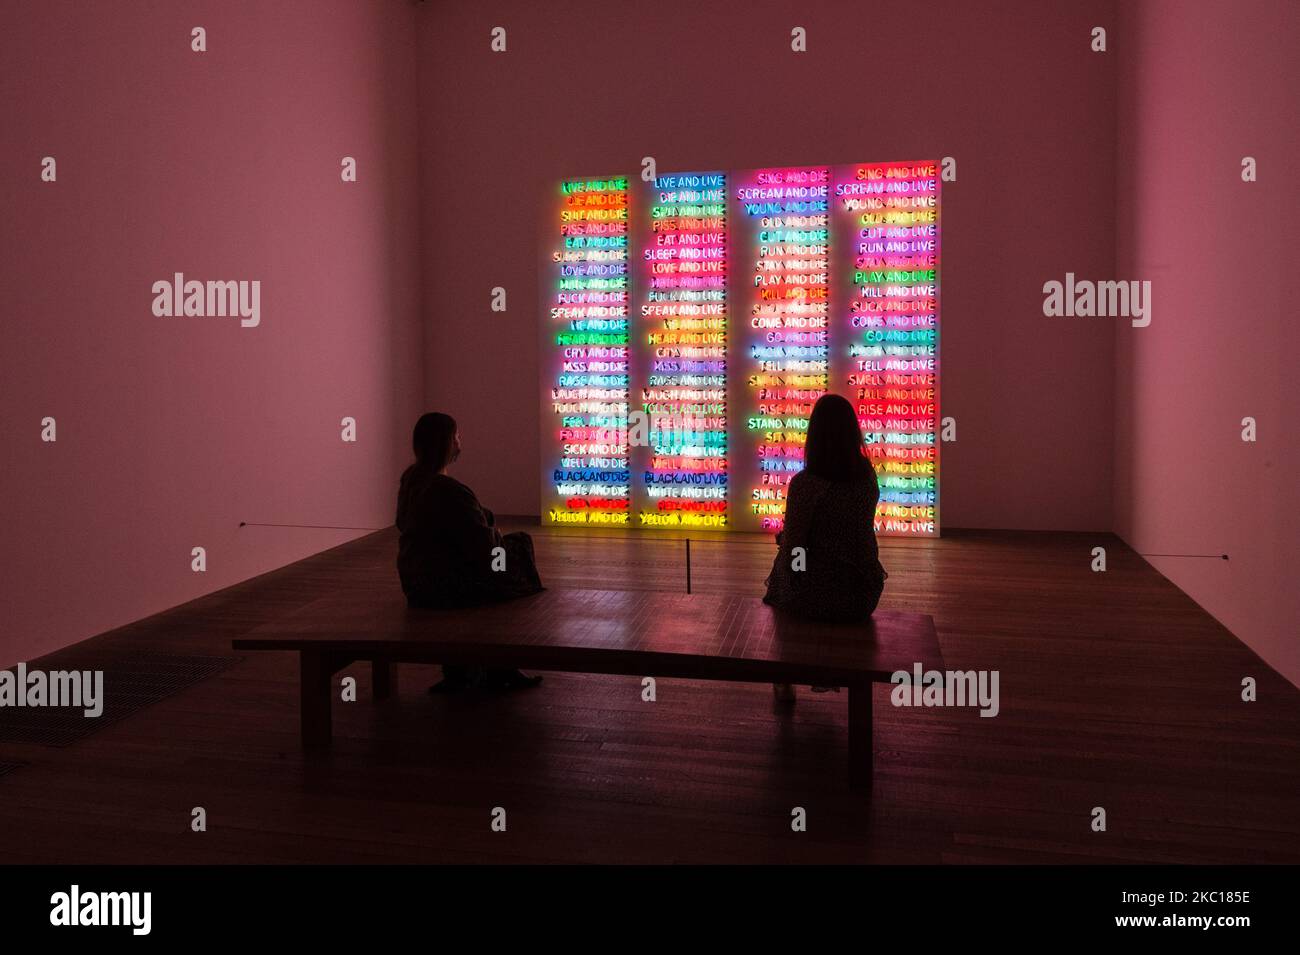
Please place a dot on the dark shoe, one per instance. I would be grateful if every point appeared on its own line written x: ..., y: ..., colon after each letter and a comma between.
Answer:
x: 456, y: 678
x: 509, y: 680
x: 446, y: 686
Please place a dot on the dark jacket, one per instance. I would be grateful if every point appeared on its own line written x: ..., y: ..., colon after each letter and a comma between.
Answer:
x: 445, y: 553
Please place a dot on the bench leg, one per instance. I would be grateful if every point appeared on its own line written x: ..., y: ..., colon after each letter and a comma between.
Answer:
x: 316, y: 699
x: 860, y: 755
x: 383, y: 678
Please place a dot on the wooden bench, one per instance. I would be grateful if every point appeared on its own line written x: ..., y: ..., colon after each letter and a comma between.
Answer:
x: 690, y: 636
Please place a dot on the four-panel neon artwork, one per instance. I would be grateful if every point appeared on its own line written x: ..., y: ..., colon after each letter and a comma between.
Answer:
x: 691, y: 322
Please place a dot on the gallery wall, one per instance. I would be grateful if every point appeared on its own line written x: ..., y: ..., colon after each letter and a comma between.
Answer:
x: 376, y: 294
x: 1201, y: 88
x: 221, y: 165
x: 1011, y: 90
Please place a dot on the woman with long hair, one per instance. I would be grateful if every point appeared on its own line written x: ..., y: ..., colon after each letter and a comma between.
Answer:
x: 829, y: 509
x: 445, y: 552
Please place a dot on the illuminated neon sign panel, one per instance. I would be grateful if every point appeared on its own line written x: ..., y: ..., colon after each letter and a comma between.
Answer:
x: 588, y: 337
x: 692, y: 322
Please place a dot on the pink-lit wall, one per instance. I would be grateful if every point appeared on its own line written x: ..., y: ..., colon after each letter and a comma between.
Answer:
x: 1201, y: 86
x: 1012, y: 90
x: 221, y: 165
x: 376, y: 295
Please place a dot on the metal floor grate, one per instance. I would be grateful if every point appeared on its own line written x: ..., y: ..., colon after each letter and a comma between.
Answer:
x: 132, y: 681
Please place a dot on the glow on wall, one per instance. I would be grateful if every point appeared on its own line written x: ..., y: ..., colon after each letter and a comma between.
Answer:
x: 683, y: 326
x: 716, y: 308
x: 588, y: 482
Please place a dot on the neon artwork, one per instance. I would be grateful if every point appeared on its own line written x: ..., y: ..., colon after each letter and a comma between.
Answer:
x: 693, y: 321
x: 888, y: 214
x: 588, y: 482
x: 683, y: 314
x: 787, y: 354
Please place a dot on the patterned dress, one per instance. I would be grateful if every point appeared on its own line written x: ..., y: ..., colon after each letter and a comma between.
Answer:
x: 837, y: 576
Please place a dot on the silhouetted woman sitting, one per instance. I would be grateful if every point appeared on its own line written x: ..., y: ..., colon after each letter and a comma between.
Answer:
x: 445, y: 551
x: 829, y: 509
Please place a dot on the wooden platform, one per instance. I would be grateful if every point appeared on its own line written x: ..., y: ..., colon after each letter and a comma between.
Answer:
x: 628, y: 633
x: 1116, y: 691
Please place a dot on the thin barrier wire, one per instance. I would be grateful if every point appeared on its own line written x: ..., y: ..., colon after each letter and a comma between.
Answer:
x: 1207, y: 556
x: 631, y: 536
x: 761, y: 541
x: 323, y: 527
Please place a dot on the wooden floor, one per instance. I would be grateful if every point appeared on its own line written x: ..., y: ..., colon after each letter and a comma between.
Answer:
x: 1116, y: 691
